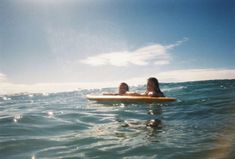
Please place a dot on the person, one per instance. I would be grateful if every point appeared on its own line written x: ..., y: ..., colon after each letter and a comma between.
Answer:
x: 122, y: 89
x: 153, y: 88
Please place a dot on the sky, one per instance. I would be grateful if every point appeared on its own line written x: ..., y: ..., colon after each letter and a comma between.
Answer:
x: 68, y: 44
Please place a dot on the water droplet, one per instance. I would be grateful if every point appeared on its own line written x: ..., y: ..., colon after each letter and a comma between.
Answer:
x: 45, y: 94
x: 122, y: 105
x: 17, y: 118
x: 151, y: 112
x: 6, y: 98
x: 50, y: 114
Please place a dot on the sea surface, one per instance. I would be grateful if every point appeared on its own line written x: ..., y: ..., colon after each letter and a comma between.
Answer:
x: 200, y: 124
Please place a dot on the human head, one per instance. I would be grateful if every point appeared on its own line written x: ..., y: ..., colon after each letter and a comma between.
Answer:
x: 123, y: 88
x: 152, y: 85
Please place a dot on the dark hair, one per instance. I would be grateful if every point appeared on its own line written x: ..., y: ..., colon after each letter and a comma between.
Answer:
x: 126, y: 85
x: 156, y: 84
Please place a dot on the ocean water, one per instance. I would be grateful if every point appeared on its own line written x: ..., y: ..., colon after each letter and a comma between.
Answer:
x: 200, y: 124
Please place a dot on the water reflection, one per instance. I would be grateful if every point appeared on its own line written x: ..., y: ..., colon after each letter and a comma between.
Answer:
x: 154, y: 123
x: 138, y: 122
x: 155, y: 109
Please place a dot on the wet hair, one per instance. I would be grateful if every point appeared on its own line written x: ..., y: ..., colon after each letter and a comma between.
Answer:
x: 124, y: 84
x: 156, y: 84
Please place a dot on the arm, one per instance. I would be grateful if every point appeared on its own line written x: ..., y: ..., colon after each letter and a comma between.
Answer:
x: 132, y: 94
x: 110, y: 94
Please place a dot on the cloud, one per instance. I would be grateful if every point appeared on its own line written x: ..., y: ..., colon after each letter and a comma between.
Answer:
x: 67, y: 44
x: 3, y: 77
x: 156, y: 54
x: 197, y: 75
x: 7, y: 87
x: 187, y: 75
x: 12, y: 88
x: 177, y: 43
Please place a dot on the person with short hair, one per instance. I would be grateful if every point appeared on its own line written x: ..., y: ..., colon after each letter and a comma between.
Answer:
x: 122, y: 89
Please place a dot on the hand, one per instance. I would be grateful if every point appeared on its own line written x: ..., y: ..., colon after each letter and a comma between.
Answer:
x: 150, y: 93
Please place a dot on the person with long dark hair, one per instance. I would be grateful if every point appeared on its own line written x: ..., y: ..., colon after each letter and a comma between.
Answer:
x: 153, y: 88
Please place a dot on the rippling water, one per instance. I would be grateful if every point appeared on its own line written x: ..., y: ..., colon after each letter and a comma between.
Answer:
x: 65, y: 125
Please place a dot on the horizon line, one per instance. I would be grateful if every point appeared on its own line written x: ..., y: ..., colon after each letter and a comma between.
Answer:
x: 81, y: 89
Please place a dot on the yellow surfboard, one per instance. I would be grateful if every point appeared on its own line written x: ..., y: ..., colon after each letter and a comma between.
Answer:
x: 129, y: 99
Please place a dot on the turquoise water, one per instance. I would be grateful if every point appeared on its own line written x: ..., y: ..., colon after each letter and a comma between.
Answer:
x: 201, y: 124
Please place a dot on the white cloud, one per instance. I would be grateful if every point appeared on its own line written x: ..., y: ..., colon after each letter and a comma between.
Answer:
x: 3, y: 77
x: 12, y: 88
x: 177, y: 43
x: 67, y: 44
x: 186, y: 75
x: 7, y: 87
x: 197, y: 74
x: 156, y: 54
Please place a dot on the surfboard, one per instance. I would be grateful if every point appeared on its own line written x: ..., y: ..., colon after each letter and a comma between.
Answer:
x: 129, y: 99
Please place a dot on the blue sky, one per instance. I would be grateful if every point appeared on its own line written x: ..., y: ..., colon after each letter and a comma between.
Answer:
x: 59, y: 41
